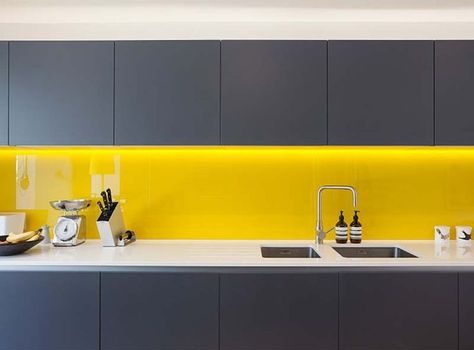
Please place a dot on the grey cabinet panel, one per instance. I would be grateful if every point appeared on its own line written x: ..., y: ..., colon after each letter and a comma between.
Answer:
x: 380, y: 92
x: 49, y: 310
x: 159, y: 311
x: 466, y: 311
x: 3, y: 93
x: 279, y: 311
x: 61, y: 93
x: 398, y: 311
x: 167, y: 92
x: 274, y: 92
x: 454, y: 86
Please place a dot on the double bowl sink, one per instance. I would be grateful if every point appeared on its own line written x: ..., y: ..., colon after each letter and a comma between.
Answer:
x: 346, y: 252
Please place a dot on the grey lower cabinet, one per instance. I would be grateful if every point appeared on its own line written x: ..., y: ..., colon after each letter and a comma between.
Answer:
x: 380, y: 92
x: 278, y: 311
x: 399, y: 310
x: 466, y: 310
x: 273, y: 92
x: 61, y: 93
x: 3, y: 93
x: 353, y: 310
x: 167, y: 92
x: 159, y: 311
x: 49, y: 310
x: 454, y: 81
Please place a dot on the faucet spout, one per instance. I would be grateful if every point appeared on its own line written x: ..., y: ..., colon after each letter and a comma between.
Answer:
x: 320, y: 233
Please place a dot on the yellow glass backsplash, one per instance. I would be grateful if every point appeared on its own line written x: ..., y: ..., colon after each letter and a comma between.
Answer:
x: 246, y: 192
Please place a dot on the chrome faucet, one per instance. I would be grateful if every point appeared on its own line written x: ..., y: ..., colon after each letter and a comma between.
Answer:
x: 320, y: 233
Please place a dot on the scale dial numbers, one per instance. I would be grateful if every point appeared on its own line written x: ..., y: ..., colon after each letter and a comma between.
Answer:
x: 65, y: 229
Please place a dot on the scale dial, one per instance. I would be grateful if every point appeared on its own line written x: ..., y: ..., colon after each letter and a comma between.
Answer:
x: 65, y: 229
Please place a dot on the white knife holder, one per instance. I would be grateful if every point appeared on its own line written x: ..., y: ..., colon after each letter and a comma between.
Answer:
x: 111, y: 226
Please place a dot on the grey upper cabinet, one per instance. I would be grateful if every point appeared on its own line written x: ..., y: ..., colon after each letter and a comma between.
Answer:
x: 466, y: 311
x: 454, y: 86
x: 273, y: 92
x: 398, y: 310
x: 3, y: 93
x: 380, y: 92
x: 159, y: 311
x: 167, y: 92
x: 279, y: 311
x: 61, y: 93
x: 49, y: 310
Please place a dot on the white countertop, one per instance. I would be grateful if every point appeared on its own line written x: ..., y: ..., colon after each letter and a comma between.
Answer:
x: 228, y: 253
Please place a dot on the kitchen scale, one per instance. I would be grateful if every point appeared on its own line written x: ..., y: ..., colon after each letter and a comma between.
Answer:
x: 70, y: 229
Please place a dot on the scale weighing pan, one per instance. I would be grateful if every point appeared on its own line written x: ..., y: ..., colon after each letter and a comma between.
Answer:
x: 70, y: 205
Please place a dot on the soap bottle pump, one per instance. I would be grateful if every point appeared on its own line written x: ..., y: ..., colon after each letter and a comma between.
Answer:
x: 356, y: 229
x: 341, y: 229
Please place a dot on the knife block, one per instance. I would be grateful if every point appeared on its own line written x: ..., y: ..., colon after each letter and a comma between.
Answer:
x: 110, y: 225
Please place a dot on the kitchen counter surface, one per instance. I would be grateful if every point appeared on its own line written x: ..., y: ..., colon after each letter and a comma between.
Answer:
x: 229, y: 254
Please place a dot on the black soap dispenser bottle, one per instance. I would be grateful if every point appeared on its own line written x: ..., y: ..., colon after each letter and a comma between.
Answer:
x: 356, y: 229
x: 341, y: 229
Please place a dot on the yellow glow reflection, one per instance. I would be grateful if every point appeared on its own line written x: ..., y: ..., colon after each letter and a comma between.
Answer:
x: 247, y: 192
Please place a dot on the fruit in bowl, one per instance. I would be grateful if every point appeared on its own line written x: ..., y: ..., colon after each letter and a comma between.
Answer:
x: 13, y: 244
x: 29, y: 236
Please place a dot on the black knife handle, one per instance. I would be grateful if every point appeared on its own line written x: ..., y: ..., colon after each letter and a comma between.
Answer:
x: 109, y: 196
x: 101, y: 207
x: 104, y: 197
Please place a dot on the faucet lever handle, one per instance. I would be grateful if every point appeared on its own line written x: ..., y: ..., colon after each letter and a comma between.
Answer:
x: 322, y: 234
x: 332, y: 228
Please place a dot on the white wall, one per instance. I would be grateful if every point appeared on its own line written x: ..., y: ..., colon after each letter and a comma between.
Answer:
x: 232, y: 19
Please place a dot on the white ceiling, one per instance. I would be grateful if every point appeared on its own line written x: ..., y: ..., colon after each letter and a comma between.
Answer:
x: 213, y: 19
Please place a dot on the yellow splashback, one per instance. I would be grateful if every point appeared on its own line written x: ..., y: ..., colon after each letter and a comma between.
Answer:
x: 246, y: 192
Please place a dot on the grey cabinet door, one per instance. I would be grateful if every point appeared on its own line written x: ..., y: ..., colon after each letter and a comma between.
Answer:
x: 61, y: 93
x: 380, y: 92
x: 49, y: 310
x: 167, y: 92
x: 279, y: 311
x: 274, y: 92
x: 3, y: 93
x: 454, y: 86
x: 159, y: 311
x: 398, y: 310
x: 466, y: 311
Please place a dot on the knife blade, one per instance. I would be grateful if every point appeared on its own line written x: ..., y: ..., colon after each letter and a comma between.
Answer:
x: 104, y: 197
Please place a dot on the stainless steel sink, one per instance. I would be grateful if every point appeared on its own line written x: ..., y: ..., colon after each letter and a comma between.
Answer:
x: 289, y: 252
x: 373, y: 252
